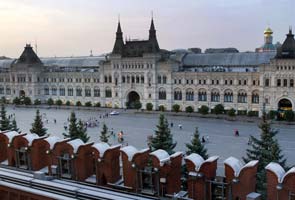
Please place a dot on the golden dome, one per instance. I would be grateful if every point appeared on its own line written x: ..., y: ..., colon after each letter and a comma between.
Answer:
x: 268, y: 31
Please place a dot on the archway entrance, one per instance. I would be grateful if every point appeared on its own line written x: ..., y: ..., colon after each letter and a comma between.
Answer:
x: 22, y: 93
x: 133, y: 100
x: 283, y: 105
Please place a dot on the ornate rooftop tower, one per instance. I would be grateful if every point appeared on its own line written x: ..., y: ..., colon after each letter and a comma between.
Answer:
x: 136, y: 48
x: 287, y: 50
x: 119, y: 43
x: 268, y: 45
x: 29, y: 56
x: 153, y: 37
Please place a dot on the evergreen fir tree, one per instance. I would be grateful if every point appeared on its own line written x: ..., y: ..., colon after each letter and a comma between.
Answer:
x: 104, y: 137
x: 37, y: 126
x: 265, y: 149
x: 163, y: 138
x: 82, y: 132
x: 73, y: 129
x: 13, y: 125
x: 196, y: 146
x: 4, y: 123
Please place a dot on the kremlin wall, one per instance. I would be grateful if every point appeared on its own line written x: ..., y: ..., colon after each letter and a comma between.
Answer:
x: 125, y: 170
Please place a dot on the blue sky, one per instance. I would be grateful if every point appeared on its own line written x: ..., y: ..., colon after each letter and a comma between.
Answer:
x: 74, y: 27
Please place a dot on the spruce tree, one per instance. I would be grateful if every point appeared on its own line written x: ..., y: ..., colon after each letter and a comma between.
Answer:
x: 37, y: 126
x: 4, y: 123
x: 104, y: 137
x: 73, y: 129
x: 82, y: 132
x: 13, y: 125
x: 196, y: 146
x: 264, y: 149
x: 163, y: 138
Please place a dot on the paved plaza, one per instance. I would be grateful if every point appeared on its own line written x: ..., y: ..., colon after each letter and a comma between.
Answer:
x: 137, y: 127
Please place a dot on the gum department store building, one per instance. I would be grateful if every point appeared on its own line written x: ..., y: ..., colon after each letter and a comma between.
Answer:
x: 138, y: 70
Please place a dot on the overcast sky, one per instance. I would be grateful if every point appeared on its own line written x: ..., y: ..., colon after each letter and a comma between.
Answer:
x: 74, y: 27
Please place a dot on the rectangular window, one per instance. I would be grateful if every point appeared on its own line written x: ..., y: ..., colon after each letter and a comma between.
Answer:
x: 279, y: 82
x: 62, y: 92
x: 54, y: 91
x: 79, y: 92
x: 46, y: 91
x: 88, y: 92
x: 285, y: 82
x: 70, y: 92
x: 96, y: 92
x: 266, y: 82
x: 291, y: 82
x: 164, y: 79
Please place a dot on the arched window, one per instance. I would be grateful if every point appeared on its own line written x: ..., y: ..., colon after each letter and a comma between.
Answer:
x: 291, y: 82
x: 8, y: 91
x: 142, y: 79
x: 177, y: 94
x: 159, y: 79
x: 62, y: 91
x: 123, y: 79
x: 255, y: 97
x: 96, y: 92
x: 1, y: 90
x: 202, y: 95
x: 108, y: 92
x: 162, y: 94
x: 53, y: 91
x: 215, y: 96
x: 110, y: 79
x: 228, y: 96
x: 189, y: 95
x: 70, y: 91
x: 266, y: 84
x: 242, y: 96
x: 87, y: 92
x: 78, y: 92
x: 164, y: 79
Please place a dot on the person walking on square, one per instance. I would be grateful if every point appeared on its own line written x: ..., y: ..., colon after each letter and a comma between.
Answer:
x: 237, y: 132
x: 180, y: 126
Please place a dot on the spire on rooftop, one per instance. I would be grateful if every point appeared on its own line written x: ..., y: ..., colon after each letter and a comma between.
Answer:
x: 29, y: 56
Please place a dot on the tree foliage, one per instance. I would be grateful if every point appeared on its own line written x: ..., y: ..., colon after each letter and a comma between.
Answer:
x: 196, y: 145
x: 37, y: 125
x: 149, y: 106
x: 265, y: 149
x: 77, y: 130
x: 13, y: 125
x: 50, y: 102
x: 163, y: 138
x: 4, y: 122
x: 104, y: 136
x: 231, y: 112
x: 189, y: 109
x: 82, y: 132
x: 204, y: 110
x: 219, y: 109
x: 176, y: 108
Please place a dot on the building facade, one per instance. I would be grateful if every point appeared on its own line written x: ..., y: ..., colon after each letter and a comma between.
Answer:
x: 139, y: 71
